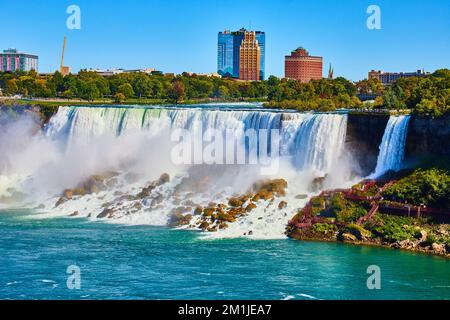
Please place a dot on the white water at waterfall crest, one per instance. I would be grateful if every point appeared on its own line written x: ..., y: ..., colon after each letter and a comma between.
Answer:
x: 392, y: 148
x: 137, y: 140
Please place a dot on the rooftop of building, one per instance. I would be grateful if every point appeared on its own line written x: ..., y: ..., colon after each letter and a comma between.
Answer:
x: 301, y: 52
x: 420, y: 72
x: 15, y: 51
x: 240, y: 32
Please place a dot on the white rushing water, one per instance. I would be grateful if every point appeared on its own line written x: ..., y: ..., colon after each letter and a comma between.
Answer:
x: 137, y: 141
x: 392, y: 148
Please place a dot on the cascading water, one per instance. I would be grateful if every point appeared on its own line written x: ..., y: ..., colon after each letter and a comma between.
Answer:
x: 310, y: 147
x: 314, y: 140
x: 392, y: 148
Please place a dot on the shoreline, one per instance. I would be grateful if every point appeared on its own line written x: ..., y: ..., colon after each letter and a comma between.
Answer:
x: 377, y: 244
x: 366, y: 214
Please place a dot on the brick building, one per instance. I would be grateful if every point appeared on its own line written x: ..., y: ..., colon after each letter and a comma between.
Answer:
x: 301, y: 66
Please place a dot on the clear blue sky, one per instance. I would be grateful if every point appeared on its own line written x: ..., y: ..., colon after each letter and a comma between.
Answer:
x: 181, y: 35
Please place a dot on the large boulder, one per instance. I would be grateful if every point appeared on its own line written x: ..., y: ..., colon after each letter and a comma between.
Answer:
x: 421, y: 236
x: 438, y: 248
x: 346, y: 237
x: 282, y: 205
x: 106, y: 213
x: 178, y: 219
x: 250, y: 207
x: 68, y: 194
x: 165, y: 178
x: 235, y: 202
x: 60, y: 202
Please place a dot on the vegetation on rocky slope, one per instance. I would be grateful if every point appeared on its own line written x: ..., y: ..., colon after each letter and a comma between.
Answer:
x: 423, y: 187
x: 343, y: 216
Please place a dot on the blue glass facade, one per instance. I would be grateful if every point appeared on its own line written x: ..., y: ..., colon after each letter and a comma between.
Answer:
x: 228, y: 52
x: 225, y: 55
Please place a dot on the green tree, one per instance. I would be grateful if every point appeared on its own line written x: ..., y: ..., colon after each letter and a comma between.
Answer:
x: 126, y: 89
x: 177, y: 92
x: 119, y: 97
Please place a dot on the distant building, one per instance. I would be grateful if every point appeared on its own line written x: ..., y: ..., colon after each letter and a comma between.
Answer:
x: 228, y: 52
x: 111, y: 72
x: 209, y: 75
x: 330, y: 73
x: 249, y: 58
x: 12, y: 60
x: 303, y: 67
x: 387, y: 78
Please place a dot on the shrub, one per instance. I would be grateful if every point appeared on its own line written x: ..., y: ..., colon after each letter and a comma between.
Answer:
x: 324, y: 228
x: 430, y: 187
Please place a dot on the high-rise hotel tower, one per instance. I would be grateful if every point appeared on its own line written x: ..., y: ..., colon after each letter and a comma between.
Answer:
x: 249, y: 58
x: 228, y: 52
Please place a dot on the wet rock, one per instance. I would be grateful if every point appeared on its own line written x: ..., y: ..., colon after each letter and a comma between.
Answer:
x: 438, y: 248
x: 236, y: 212
x: 275, y: 187
x: 263, y: 195
x: 94, y: 184
x: 346, y: 237
x: 421, y: 236
x: 207, y: 212
x: 301, y: 196
x: 282, y: 205
x: 158, y: 199
x: 106, y: 213
x: 145, y: 192
x: 74, y: 214
x: 60, y: 202
x: 178, y: 220
x: 198, y: 210
x: 406, y: 244
x: 235, y: 202
x: 226, y: 217
x: 317, y: 183
x: 165, y: 178
x: 68, y: 194
x: 250, y: 207
x: 223, y: 225
x: 204, y: 225
x: 137, y: 206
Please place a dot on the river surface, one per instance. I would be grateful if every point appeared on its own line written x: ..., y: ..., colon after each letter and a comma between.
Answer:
x: 147, y: 262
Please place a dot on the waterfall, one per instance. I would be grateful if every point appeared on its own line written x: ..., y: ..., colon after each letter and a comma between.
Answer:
x: 136, y: 142
x: 312, y: 141
x: 392, y: 148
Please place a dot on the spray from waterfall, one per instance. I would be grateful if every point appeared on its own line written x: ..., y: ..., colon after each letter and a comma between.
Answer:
x: 87, y: 141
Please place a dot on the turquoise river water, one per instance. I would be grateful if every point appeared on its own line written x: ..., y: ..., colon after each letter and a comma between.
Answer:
x: 144, y: 262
